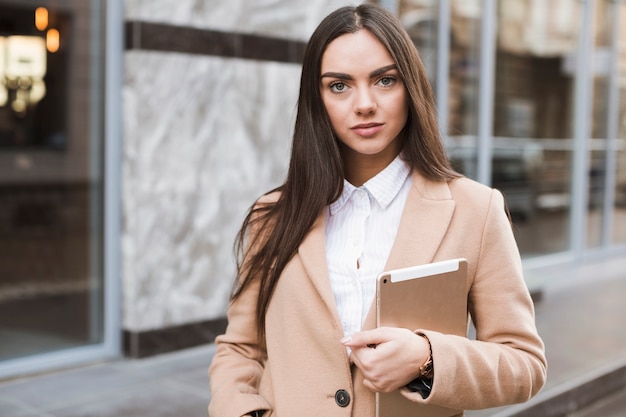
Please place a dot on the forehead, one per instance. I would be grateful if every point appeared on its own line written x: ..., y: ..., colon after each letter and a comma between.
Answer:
x: 355, y: 52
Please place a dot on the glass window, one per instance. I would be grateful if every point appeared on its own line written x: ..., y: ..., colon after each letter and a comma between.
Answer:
x: 619, y: 220
x: 599, y: 129
x: 463, y: 101
x: 421, y: 19
x: 51, y: 280
x: 536, y: 43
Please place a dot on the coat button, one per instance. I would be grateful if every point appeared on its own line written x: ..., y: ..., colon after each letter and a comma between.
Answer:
x: 342, y: 398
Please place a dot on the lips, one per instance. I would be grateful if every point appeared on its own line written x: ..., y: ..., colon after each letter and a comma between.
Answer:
x: 367, y: 129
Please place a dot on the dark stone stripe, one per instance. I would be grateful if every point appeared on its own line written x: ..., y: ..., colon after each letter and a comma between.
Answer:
x: 169, y: 339
x: 168, y: 38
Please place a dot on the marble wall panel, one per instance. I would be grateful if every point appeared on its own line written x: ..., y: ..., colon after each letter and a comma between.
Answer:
x: 292, y: 19
x: 203, y: 138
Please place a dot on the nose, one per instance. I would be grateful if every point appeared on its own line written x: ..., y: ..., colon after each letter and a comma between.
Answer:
x: 364, y: 102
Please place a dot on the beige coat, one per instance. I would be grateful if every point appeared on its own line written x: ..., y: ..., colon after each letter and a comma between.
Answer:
x: 305, y: 364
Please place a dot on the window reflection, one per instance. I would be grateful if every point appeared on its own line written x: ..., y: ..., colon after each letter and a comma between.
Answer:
x: 24, y: 68
x: 50, y: 184
x: 31, y: 64
x: 533, y: 118
x: 599, y: 128
x: 421, y: 19
x: 464, y: 73
x: 41, y: 18
x: 533, y: 123
x: 619, y: 221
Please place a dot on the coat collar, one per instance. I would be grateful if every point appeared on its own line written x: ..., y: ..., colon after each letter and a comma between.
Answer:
x: 424, y: 222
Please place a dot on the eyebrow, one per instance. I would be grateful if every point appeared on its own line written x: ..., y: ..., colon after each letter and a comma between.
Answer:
x: 373, y: 74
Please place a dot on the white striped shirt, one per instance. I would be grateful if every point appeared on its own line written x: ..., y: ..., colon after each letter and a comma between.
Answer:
x: 361, y: 227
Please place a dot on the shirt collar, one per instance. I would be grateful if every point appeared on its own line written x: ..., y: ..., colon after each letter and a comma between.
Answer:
x: 383, y: 187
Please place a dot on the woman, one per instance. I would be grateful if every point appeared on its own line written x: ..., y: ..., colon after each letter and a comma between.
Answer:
x: 369, y: 188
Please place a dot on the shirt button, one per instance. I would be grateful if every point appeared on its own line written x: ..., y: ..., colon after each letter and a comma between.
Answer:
x: 342, y: 398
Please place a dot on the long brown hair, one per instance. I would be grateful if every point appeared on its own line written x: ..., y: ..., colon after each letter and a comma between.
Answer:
x: 271, y: 232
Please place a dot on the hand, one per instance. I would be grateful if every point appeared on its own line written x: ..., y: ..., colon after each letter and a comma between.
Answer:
x: 389, y: 357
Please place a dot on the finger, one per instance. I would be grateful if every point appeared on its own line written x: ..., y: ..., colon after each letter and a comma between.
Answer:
x: 369, y: 338
x: 368, y: 384
x: 366, y: 359
x: 374, y: 388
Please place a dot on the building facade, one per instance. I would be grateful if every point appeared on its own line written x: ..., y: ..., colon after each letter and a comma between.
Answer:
x: 135, y: 134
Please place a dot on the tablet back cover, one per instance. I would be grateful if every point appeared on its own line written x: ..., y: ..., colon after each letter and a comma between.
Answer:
x: 431, y: 296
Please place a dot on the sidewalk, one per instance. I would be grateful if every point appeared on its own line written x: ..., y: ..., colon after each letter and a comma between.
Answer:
x: 582, y: 318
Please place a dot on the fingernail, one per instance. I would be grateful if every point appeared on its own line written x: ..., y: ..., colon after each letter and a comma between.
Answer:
x: 346, y: 340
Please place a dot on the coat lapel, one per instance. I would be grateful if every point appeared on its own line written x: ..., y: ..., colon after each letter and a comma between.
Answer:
x: 424, y: 222
x: 425, y: 219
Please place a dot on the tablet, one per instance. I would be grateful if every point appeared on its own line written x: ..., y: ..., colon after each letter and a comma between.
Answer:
x: 431, y: 296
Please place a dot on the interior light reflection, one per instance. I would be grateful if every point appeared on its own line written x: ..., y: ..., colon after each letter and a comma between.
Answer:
x: 41, y: 18
x: 22, y: 69
x: 53, y: 40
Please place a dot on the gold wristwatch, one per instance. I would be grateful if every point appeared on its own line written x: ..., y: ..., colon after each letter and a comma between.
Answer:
x: 426, y: 370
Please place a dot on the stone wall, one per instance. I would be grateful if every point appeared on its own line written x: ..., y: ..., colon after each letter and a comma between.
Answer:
x: 204, y: 136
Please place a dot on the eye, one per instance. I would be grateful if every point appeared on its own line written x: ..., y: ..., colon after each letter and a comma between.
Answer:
x: 387, y: 81
x: 337, y: 87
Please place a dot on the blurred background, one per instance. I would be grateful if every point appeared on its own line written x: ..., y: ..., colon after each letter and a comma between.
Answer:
x: 134, y: 135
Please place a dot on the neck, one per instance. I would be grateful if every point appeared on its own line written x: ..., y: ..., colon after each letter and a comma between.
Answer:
x: 359, y: 168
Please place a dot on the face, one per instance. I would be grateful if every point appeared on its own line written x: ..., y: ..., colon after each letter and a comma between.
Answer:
x: 364, y: 97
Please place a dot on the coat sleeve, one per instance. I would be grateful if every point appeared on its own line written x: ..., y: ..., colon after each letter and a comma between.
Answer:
x: 506, y: 363
x: 237, y: 365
